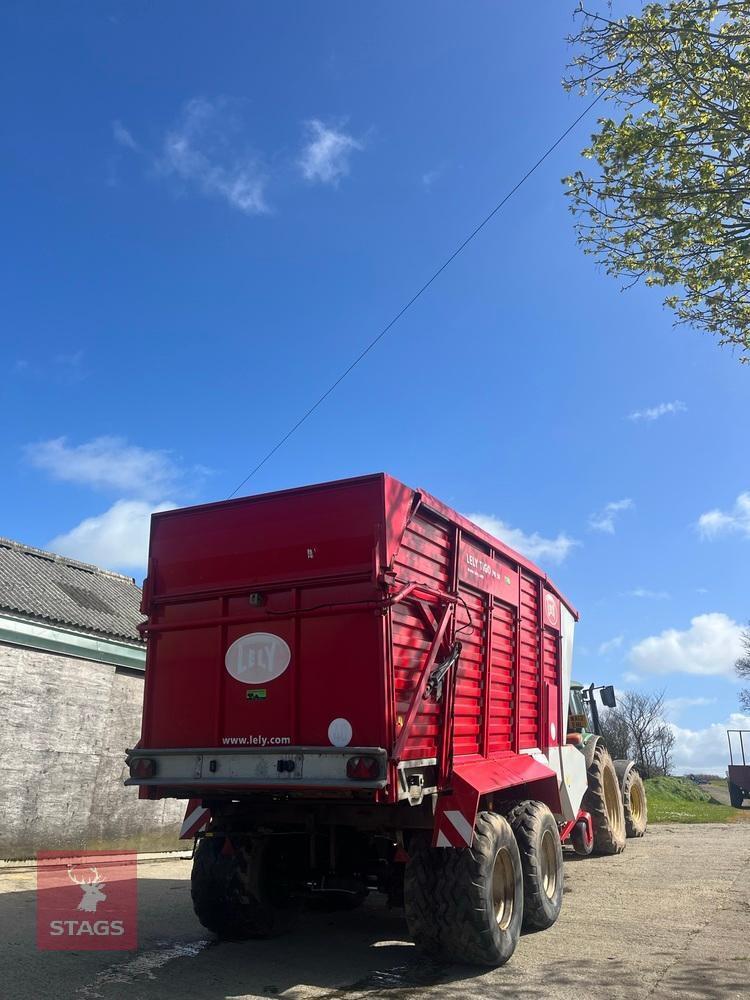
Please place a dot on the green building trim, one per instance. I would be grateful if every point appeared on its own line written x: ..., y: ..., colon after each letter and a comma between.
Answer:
x: 18, y: 631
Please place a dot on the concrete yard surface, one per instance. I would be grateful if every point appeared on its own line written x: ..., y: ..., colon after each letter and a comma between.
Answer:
x: 669, y: 917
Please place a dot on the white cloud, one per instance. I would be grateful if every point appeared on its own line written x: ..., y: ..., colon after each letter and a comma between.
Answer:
x: 535, y: 546
x: 610, y: 645
x: 107, y: 463
x: 710, y: 646
x: 325, y: 155
x: 658, y: 411
x: 719, y: 522
x: 705, y: 750
x: 200, y: 151
x: 650, y: 595
x: 123, y: 137
x: 674, y: 707
x: 118, y: 538
x: 630, y: 678
x: 604, y: 520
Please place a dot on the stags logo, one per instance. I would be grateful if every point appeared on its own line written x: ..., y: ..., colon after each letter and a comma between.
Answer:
x: 87, y: 903
x: 91, y: 889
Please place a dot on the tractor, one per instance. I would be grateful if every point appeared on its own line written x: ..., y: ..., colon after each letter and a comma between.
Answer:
x: 616, y: 795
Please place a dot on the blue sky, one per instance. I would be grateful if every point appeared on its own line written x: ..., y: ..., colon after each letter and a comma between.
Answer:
x: 207, y: 215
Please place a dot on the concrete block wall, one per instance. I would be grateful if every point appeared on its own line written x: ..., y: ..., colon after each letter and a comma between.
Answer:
x: 66, y: 723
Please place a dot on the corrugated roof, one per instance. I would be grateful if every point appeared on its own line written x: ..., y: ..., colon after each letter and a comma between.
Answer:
x: 56, y: 589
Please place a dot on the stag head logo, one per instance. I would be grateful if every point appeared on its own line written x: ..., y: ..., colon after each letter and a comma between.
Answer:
x: 90, y: 887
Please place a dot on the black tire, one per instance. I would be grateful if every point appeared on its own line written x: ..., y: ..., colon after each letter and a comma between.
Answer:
x: 603, y: 801
x: 736, y: 795
x: 233, y: 890
x: 589, y: 749
x: 579, y: 839
x: 466, y: 905
x: 634, y: 804
x: 539, y: 845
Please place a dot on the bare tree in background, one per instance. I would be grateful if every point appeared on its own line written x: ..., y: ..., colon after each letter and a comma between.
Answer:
x: 742, y: 666
x: 636, y: 729
x: 616, y: 733
x: 663, y: 747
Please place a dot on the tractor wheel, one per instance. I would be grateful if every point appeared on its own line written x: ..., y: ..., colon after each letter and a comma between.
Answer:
x: 233, y: 889
x: 736, y: 795
x: 634, y: 804
x: 466, y: 905
x: 542, y: 862
x: 579, y: 839
x: 604, y: 802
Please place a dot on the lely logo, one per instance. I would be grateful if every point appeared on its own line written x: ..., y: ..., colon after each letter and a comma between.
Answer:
x: 550, y: 606
x: 87, y: 903
x: 257, y: 658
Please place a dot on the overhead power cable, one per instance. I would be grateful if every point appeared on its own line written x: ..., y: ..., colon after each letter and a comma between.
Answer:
x: 449, y: 260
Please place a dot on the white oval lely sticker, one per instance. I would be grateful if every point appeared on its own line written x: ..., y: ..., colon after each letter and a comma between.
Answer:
x: 340, y: 733
x: 257, y: 658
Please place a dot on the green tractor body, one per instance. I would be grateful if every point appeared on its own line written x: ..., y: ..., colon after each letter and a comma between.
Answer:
x: 616, y: 796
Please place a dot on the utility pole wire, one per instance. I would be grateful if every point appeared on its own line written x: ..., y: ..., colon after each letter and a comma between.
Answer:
x: 449, y: 260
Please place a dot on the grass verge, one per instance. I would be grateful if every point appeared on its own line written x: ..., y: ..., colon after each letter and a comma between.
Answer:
x: 679, y: 800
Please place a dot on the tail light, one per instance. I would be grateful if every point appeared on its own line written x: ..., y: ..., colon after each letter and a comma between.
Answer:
x: 143, y: 767
x: 363, y: 768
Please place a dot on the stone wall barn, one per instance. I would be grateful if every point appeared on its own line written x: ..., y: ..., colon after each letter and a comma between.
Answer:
x: 71, y: 688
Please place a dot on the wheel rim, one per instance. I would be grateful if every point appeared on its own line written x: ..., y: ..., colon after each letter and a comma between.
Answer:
x: 503, y: 888
x: 548, y: 864
x: 613, y: 801
x: 636, y: 802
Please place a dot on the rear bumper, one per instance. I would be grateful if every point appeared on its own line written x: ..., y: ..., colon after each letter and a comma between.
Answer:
x: 282, y: 767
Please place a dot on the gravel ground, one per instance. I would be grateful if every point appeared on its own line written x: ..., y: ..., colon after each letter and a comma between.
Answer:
x: 669, y: 917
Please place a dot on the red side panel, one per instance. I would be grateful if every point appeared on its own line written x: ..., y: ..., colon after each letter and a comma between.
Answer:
x: 509, y: 634
x: 500, y: 720
x: 471, y: 628
x: 528, y: 677
x: 424, y: 556
x: 552, y: 723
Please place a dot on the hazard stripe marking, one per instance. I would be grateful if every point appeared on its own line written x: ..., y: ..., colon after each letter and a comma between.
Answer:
x: 442, y: 840
x: 196, y: 817
x: 462, y: 825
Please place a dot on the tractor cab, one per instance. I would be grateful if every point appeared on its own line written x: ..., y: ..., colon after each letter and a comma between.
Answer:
x: 583, y: 711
